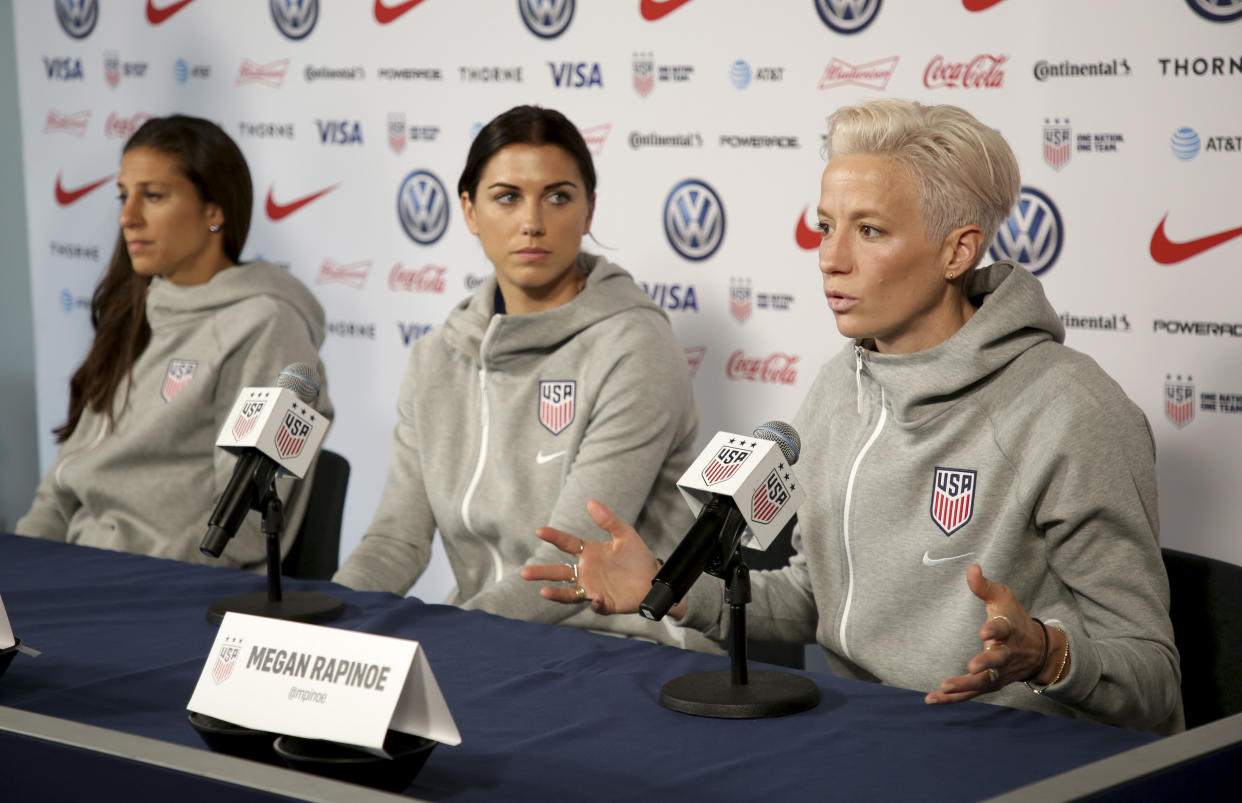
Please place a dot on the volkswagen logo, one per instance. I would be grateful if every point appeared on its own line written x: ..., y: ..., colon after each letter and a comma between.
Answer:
x: 422, y: 207
x: 694, y: 220
x: 847, y: 16
x: 1033, y: 233
x: 547, y: 19
x: 77, y: 17
x: 295, y: 18
x: 1217, y: 10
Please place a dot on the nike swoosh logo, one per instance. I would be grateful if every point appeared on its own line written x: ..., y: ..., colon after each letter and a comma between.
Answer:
x: 653, y: 10
x: 386, y: 14
x: 807, y: 237
x: 979, y: 5
x: 65, y: 197
x: 928, y: 560
x: 542, y: 458
x: 276, y: 211
x: 1167, y: 252
x: 157, y: 15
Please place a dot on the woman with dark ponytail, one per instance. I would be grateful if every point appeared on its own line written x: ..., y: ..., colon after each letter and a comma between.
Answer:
x: 180, y: 326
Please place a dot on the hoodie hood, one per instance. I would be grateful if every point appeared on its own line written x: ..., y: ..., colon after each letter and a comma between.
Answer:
x: 1012, y: 315
x: 168, y: 303
x: 473, y: 329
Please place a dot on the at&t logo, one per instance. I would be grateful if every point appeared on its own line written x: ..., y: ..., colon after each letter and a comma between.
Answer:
x: 847, y: 16
x: 295, y: 18
x: 422, y: 207
x: 1032, y: 235
x: 1216, y: 10
x: 77, y: 17
x: 1185, y: 143
x: 694, y: 220
x: 547, y: 19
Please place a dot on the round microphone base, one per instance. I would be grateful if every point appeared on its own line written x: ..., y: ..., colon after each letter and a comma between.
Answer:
x: 296, y: 606
x: 713, y: 694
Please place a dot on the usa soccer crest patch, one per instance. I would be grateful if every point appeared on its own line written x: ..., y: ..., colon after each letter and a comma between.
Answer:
x: 247, y: 417
x: 291, y: 436
x: 179, y: 374
x: 953, y: 498
x: 557, y: 399
x: 725, y: 463
x: 769, y: 498
x: 225, y: 660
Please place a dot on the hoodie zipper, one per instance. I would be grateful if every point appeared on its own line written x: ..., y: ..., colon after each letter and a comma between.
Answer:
x: 849, y: 497
x: 497, y: 565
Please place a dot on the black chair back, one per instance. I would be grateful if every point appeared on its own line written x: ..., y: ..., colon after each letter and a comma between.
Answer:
x: 316, y: 551
x: 1206, y: 609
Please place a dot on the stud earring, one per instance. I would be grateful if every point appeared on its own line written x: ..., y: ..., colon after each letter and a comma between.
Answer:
x: 949, y: 275
x: 214, y: 227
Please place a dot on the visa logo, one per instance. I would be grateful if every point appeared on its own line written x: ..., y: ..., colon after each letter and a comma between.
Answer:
x: 672, y: 296
x: 339, y: 132
x: 63, y: 69
x: 576, y: 75
x: 412, y: 331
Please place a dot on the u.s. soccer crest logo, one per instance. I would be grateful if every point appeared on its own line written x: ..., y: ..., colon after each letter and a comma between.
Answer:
x: 1058, y: 138
x: 740, y: 299
x: 1179, y: 400
x: 556, y: 404
x: 423, y: 207
x: 547, y: 19
x: 725, y: 463
x: 769, y: 498
x: 291, y: 436
x: 396, y: 131
x: 644, y: 73
x: 247, y: 417
x: 179, y: 374
x: 953, y: 498
x: 694, y: 220
x: 226, y: 659
x: 112, y: 67
x: 1032, y: 235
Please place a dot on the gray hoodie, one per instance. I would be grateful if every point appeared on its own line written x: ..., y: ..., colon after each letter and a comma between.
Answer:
x: 999, y: 446
x: 509, y: 422
x: 148, y: 485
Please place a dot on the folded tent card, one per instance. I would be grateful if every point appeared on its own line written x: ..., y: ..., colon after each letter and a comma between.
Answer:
x: 321, y: 683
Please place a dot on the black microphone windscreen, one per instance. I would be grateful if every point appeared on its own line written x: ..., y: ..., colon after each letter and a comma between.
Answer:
x: 302, y: 379
x: 784, y: 436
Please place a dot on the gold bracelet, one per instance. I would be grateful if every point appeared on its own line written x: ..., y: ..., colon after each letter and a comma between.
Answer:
x: 1060, y: 669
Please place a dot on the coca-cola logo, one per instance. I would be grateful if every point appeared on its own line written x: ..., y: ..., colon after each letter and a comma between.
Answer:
x: 982, y: 72
x: 427, y: 279
x: 121, y: 127
x: 778, y: 368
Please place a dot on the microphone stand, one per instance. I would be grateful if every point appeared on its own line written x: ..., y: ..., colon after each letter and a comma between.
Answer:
x: 298, y: 606
x: 738, y: 693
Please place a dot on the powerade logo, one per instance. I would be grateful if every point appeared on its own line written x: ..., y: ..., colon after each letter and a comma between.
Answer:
x: 1217, y: 10
x: 694, y: 220
x: 1185, y: 143
x: 295, y: 18
x: 77, y: 17
x: 422, y: 207
x: 847, y: 16
x: 1032, y: 235
x: 547, y: 19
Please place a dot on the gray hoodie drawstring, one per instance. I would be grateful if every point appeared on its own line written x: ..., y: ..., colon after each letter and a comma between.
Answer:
x: 858, y: 377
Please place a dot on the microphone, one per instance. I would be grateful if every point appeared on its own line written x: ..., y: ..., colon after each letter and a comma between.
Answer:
x: 755, y: 490
x: 276, y: 432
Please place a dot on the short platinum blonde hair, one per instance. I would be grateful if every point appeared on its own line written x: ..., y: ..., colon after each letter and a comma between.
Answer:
x: 965, y: 171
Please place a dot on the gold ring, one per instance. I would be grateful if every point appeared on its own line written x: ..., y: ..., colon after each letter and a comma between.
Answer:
x: 573, y: 567
x: 581, y: 546
x: 993, y: 676
x: 580, y: 594
x: 1006, y: 618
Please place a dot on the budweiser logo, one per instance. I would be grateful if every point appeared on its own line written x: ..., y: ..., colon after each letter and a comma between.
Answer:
x: 252, y: 72
x: 982, y: 72
x: 777, y: 368
x: 69, y: 123
x: 120, y: 127
x: 427, y: 279
x: 872, y: 75
x: 354, y: 274
x: 595, y: 137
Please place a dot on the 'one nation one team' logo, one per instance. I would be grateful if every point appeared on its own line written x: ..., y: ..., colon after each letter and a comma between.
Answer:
x: 953, y: 498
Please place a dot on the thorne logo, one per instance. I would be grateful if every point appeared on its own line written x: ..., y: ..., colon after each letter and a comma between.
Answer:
x: 777, y: 368
x: 1032, y: 235
x: 490, y: 75
x: 352, y: 275
x: 427, y: 279
x: 1202, y: 65
x: 847, y: 16
x: 547, y: 19
x: 74, y: 124
x: 271, y: 74
x: 982, y: 72
x: 870, y: 75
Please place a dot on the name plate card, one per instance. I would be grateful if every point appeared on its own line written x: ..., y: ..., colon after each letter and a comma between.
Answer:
x: 321, y: 683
